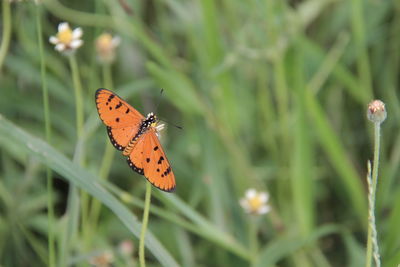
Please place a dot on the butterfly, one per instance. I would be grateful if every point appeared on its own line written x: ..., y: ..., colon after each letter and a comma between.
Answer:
x: 137, y: 137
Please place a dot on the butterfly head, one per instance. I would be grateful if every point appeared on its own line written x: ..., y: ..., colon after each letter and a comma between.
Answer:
x: 152, y: 121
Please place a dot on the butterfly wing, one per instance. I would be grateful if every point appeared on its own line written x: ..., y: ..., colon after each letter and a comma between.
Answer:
x: 121, y: 119
x: 148, y: 158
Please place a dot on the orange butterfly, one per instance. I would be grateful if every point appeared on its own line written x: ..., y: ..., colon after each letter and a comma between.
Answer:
x: 136, y: 136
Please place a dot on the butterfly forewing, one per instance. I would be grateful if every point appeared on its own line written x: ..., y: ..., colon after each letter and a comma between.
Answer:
x: 115, y: 112
x: 122, y: 119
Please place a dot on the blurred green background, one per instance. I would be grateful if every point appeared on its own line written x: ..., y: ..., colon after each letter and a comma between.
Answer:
x: 271, y: 95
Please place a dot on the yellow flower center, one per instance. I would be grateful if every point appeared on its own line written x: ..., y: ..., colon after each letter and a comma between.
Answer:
x: 255, y: 203
x: 104, y: 41
x: 65, y: 36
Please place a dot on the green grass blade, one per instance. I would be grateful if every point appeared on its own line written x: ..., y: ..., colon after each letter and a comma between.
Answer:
x: 84, y: 180
x: 290, y: 243
x: 206, y: 229
x: 337, y: 155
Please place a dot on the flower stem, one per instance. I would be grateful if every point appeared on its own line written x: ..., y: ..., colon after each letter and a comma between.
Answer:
x: 253, y: 232
x: 372, y: 242
x: 107, y: 76
x: 78, y: 94
x: 144, y: 224
x: 5, y: 40
x: 79, y: 151
x: 47, y: 123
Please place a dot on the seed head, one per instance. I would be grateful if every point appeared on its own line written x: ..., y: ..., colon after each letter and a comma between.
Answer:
x: 376, y: 111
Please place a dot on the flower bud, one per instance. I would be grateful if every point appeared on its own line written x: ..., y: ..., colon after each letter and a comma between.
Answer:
x: 105, y: 47
x: 376, y: 111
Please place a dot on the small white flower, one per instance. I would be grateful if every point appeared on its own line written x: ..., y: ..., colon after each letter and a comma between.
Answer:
x: 105, y: 47
x: 67, y: 40
x: 255, y: 202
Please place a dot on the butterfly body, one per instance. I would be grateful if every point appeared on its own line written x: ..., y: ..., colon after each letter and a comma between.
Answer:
x: 137, y: 137
x: 145, y: 125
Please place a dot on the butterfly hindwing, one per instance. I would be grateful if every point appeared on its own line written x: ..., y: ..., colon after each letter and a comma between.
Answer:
x: 120, y: 137
x: 157, y: 168
x: 135, y: 158
x: 149, y: 159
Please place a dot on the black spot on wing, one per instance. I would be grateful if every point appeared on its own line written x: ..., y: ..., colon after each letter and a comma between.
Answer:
x: 155, y: 148
x: 160, y: 160
x: 167, y: 171
x: 119, y: 105
x: 110, y: 97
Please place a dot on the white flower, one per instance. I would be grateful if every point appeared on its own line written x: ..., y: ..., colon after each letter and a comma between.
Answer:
x: 66, y: 40
x: 255, y: 202
x: 105, y: 47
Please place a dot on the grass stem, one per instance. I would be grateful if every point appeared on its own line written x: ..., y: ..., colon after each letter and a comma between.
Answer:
x: 78, y: 94
x: 47, y: 123
x: 144, y: 224
x: 253, y: 232
x: 358, y: 27
x: 5, y: 40
x: 372, y: 242
x: 79, y: 111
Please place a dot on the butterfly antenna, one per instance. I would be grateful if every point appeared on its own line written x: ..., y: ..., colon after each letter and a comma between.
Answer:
x: 173, y: 124
x: 177, y: 126
x: 159, y: 99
